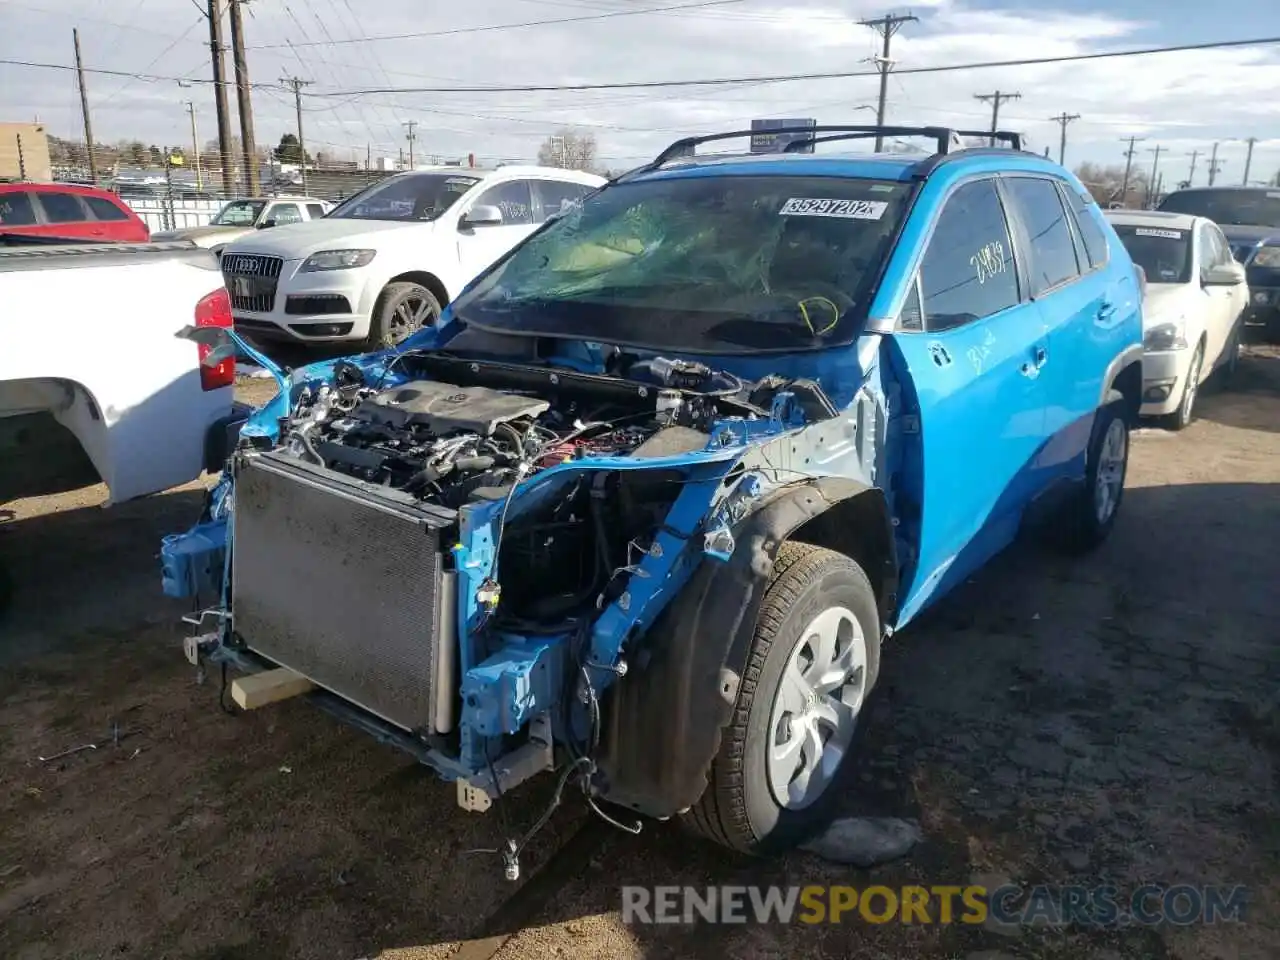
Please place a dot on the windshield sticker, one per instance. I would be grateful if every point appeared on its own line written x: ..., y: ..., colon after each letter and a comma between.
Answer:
x: 989, y: 260
x: 460, y: 181
x: 1163, y: 234
x: 844, y: 209
x: 882, y: 188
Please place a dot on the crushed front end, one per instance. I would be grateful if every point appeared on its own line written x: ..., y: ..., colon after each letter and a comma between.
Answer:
x: 462, y: 556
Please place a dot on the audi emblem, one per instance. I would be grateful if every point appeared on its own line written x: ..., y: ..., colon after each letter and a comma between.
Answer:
x: 244, y: 265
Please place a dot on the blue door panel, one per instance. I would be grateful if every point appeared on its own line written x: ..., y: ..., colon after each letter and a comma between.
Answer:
x: 981, y: 425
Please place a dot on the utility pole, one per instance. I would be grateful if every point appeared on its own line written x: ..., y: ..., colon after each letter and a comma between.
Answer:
x: 410, y: 136
x: 243, y: 101
x: 1213, y: 165
x: 1128, y: 168
x: 1155, y: 165
x: 995, y: 99
x: 1062, y: 120
x: 1248, y: 159
x: 886, y: 26
x: 296, y: 85
x: 1191, y: 176
x: 220, y: 96
x: 195, y: 145
x: 84, y: 110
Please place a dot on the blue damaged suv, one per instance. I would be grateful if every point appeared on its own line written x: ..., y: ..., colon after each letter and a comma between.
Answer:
x: 640, y: 511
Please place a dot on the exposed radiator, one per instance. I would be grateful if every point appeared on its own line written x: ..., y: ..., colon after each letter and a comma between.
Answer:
x: 343, y: 583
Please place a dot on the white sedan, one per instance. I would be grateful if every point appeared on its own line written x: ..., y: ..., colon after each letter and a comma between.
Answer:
x: 1195, y: 295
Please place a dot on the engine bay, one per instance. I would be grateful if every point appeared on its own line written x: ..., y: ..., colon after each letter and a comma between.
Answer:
x: 473, y: 429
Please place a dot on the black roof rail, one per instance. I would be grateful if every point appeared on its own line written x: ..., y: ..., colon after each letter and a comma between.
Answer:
x: 683, y: 148
x: 1008, y: 136
x: 944, y: 138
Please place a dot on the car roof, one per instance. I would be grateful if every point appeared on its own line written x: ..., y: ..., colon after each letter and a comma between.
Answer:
x: 1175, y: 221
x: 77, y: 188
x: 508, y: 171
x: 1238, y: 188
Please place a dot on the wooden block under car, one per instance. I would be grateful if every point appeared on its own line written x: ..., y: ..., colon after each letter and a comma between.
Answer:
x: 260, y: 689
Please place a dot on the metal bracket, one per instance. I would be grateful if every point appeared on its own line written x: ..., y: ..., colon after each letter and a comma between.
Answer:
x: 536, y: 755
x: 194, y: 646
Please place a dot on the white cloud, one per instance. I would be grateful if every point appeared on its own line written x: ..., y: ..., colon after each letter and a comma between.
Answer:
x: 1182, y: 101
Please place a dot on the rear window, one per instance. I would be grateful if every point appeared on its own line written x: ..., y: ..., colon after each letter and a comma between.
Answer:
x: 16, y: 210
x: 104, y: 209
x: 1163, y: 253
x: 62, y: 208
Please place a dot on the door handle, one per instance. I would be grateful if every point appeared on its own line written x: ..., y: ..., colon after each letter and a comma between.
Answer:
x: 1106, y: 310
x: 1032, y: 368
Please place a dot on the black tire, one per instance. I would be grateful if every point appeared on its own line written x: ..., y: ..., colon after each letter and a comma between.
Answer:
x: 1080, y: 526
x: 401, y: 310
x: 738, y: 809
x: 1181, y: 418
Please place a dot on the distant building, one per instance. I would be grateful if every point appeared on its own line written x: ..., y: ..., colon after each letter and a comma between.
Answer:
x: 24, y: 152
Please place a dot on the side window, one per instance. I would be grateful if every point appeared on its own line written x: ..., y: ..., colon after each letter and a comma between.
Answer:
x: 968, y: 269
x: 513, y: 199
x: 315, y: 211
x: 104, y: 209
x: 1222, y: 249
x: 62, y: 208
x: 16, y: 210
x: 1052, y: 252
x: 283, y: 213
x: 1095, y: 241
x: 554, y: 196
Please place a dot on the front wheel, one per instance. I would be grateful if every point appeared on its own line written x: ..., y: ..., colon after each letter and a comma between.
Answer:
x: 402, y: 310
x: 813, y: 661
x: 1089, y: 515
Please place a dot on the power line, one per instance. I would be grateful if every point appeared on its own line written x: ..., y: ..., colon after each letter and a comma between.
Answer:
x: 794, y: 77
x: 995, y: 99
x: 704, y: 82
x: 886, y: 26
x: 487, y: 28
x: 1062, y: 120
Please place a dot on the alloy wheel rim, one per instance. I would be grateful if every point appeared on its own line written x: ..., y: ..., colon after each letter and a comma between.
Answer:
x: 1111, y: 465
x: 408, y: 317
x: 815, y: 710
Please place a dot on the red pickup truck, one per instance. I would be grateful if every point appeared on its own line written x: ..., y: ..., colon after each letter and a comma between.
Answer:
x: 67, y: 210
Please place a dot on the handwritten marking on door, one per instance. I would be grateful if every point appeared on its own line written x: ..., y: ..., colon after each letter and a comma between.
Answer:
x: 989, y: 260
x: 978, y: 355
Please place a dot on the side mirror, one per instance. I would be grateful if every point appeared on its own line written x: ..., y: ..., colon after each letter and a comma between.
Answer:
x: 1223, y: 275
x: 269, y: 222
x: 481, y: 215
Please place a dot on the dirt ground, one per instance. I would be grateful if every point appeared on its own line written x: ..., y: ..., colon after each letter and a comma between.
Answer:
x: 1114, y: 719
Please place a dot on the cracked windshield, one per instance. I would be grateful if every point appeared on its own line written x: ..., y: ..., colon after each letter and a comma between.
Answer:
x: 727, y: 264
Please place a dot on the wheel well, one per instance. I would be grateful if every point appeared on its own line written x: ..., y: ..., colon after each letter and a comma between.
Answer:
x: 1128, y: 383
x: 859, y: 527
x: 428, y: 280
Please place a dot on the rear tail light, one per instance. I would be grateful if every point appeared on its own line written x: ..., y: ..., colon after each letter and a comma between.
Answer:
x: 214, y: 310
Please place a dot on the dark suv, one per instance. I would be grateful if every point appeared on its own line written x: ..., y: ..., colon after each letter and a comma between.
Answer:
x: 1250, y: 219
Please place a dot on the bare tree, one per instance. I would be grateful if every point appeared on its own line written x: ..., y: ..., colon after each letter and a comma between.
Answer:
x: 565, y: 148
x: 1107, y: 183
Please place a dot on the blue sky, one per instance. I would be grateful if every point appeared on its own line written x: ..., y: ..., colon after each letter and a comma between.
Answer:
x: 1181, y: 102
